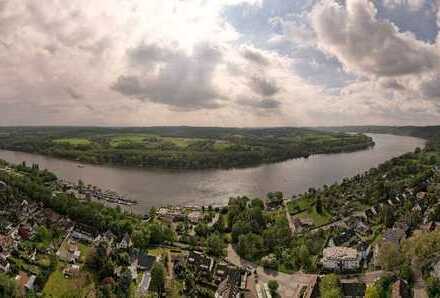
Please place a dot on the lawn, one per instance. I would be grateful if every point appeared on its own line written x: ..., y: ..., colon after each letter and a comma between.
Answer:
x: 59, y: 286
x: 298, y: 204
x: 73, y: 141
x: 318, y: 219
x: 157, y: 252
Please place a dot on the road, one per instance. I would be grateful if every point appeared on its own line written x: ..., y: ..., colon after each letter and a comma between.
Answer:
x: 290, y: 284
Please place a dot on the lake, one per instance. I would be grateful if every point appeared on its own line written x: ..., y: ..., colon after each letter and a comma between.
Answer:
x: 204, y: 187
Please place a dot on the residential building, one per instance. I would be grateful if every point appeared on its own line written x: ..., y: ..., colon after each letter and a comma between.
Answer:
x: 338, y: 258
x: 400, y: 289
x: 201, y: 262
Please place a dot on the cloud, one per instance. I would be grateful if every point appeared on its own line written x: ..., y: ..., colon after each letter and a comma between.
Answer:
x: 410, y: 4
x: 367, y: 45
x: 172, y: 77
x: 264, y: 86
x: 255, y: 56
x: 264, y: 104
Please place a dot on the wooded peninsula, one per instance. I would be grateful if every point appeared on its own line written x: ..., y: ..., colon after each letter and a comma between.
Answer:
x: 179, y: 147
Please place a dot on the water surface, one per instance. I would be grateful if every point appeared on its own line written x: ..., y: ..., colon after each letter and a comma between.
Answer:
x: 203, y: 187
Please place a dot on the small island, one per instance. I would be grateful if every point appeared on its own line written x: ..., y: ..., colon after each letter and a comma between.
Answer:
x: 179, y: 147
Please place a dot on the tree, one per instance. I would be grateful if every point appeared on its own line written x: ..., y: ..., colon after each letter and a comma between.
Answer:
x: 387, y: 216
x: 157, y: 283
x: 318, y: 205
x: 125, y: 281
x: 8, y: 287
x: 372, y: 292
x: 250, y: 246
x: 389, y: 257
x: 330, y: 287
x: 273, y: 287
x: 202, y: 230
x: 433, y: 287
x: 215, y: 245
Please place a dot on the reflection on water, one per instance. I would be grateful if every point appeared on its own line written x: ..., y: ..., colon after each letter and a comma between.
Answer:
x: 160, y: 187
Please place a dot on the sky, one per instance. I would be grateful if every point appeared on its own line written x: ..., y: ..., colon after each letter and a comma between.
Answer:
x: 219, y: 62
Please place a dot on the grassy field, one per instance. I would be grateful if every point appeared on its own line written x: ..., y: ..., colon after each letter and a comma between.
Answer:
x: 150, y: 140
x: 73, y: 141
x: 81, y: 286
x: 129, y: 139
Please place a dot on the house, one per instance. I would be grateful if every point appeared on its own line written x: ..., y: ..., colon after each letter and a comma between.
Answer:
x: 6, y: 243
x: 125, y: 242
x: 145, y: 262
x: 108, y: 237
x: 339, y: 258
x: 311, y: 290
x: 302, y: 224
x: 71, y: 271
x: 3, y: 186
x: 25, y: 232
x: 353, y: 289
x: 83, y: 236
x: 400, y: 289
x: 230, y: 287
x: 362, y: 228
x: 195, y: 217
x: 421, y: 196
x: 25, y: 282
x: 200, y: 262
x: 73, y: 253
x: 394, y: 235
x: 5, y: 267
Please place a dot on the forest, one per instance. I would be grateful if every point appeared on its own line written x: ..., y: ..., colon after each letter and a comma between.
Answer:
x: 179, y: 147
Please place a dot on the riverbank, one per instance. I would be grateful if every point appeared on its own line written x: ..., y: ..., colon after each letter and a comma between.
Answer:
x: 214, y: 187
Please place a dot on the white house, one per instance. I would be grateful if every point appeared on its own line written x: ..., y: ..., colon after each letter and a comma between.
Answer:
x: 338, y: 258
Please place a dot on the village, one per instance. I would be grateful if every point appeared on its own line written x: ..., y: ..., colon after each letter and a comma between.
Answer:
x: 48, y: 253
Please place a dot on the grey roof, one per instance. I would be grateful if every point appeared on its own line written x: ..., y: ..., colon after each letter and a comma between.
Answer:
x: 394, y: 235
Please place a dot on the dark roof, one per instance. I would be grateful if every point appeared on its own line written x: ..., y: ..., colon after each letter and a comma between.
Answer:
x: 200, y: 260
x: 353, y: 289
x: 400, y: 290
x: 343, y: 237
x: 146, y: 261
x: 3, y: 186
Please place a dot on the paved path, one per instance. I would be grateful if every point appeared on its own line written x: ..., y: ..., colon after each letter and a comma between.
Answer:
x: 145, y: 283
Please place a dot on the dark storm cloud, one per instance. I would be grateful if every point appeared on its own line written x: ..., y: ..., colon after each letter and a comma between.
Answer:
x: 264, y: 104
x: 264, y: 86
x: 182, y: 81
x: 255, y: 57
